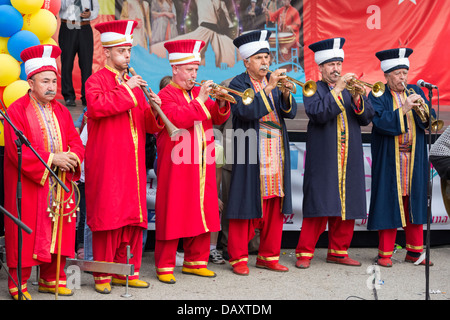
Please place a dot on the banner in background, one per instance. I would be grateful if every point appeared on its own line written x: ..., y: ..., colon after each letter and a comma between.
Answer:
x: 367, y: 25
x: 216, y: 22
x: 440, y: 219
x: 370, y: 26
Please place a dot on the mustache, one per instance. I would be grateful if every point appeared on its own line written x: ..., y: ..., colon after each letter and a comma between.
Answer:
x: 50, y: 93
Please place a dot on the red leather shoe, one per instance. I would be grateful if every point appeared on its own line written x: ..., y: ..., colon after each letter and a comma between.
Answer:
x: 343, y: 260
x: 384, y: 262
x: 272, y: 266
x: 408, y: 258
x: 241, y: 269
x: 303, y: 263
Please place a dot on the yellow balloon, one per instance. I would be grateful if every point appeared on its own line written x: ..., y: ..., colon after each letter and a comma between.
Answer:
x: 46, y: 41
x: 14, y: 91
x: 4, y: 45
x: 10, y: 69
x: 27, y: 6
x: 42, y: 23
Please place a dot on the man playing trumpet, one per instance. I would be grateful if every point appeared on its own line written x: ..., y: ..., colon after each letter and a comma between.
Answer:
x: 186, y: 202
x: 260, y: 190
x: 399, y: 161
x: 334, y: 183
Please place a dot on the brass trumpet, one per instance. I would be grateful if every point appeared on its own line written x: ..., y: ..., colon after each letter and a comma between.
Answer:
x: 247, y: 96
x: 309, y: 87
x: 378, y: 88
x: 172, y: 130
x: 423, y: 111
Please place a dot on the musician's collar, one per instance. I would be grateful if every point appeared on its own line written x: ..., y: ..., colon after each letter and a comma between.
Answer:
x: 117, y: 72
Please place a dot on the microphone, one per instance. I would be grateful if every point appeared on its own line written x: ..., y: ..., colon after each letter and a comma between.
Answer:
x: 427, y: 85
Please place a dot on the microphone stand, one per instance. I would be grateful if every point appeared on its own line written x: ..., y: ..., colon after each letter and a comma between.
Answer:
x: 22, y: 140
x: 429, y: 191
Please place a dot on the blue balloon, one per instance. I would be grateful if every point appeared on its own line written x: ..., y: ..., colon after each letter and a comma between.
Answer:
x: 8, y: 2
x: 23, y: 75
x: 11, y: 21
x: 20, y: 41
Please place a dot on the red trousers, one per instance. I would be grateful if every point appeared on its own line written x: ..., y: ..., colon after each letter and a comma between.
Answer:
x: 340, y: 234
x: 111, y: 246
x: 47, y: 276
x: 241, y: 231
x: 196, y: 253
x: 413, y: 234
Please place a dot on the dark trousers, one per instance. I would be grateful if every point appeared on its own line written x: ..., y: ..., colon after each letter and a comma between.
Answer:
x: 75, y: 40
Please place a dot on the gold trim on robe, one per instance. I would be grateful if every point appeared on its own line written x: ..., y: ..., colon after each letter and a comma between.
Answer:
x: 342, y: 126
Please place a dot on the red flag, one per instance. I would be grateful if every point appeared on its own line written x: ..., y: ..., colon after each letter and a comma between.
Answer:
x: 370, y: 26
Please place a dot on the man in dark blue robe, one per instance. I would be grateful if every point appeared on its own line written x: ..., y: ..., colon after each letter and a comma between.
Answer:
x: 399, y: 160
x: 260, y: 190
x: 334, y: 183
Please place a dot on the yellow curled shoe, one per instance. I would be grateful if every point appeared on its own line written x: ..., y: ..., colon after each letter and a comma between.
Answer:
x: 62, y: 291
x: 104, y: 288
x: 25, y: 296
x: 135, y: 283
x: 202, y: 272
x: 166, y: 278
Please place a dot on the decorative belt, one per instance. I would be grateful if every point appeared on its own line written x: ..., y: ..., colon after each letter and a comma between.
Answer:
x: 80, y: 23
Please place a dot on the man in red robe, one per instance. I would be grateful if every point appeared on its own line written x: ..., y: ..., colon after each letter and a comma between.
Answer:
x: 49, y: 127
x: 119, y: 117
x: 186, y: 199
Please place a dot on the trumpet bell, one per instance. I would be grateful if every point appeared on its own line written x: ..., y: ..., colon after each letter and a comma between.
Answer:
x: 378, y: 89
x: 309, y: 88
x: 248, y: 96
x: 436, y: 125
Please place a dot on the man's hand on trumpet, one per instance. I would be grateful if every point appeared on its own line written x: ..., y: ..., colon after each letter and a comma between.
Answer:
x: 345, y: 80
x: 275, y: 77
x: 342, y: 82
x: 205, y: 92
x: 411, y: 102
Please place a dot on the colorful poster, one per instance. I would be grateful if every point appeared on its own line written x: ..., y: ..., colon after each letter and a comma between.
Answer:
x: 367, y: 25
x: 217, y: 22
